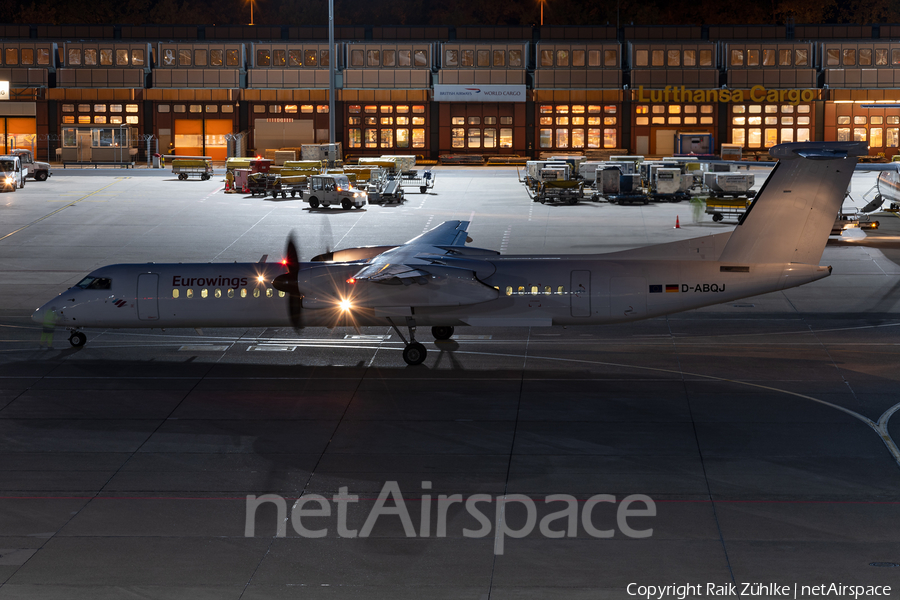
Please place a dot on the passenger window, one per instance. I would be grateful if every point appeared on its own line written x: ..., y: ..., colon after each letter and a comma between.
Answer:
x: 256, y: 293
x: 548, y: 289
x: 509, y: 290
x: 190, y: 293
x: 281, y: 294
x: 243, y: 292
x: 561, y: 290
x: 269, y: 292
x: 175, y: 293
x: 230, y: 293
x: 534, y: 290
x: 204, y: 293
x: 521, y: 289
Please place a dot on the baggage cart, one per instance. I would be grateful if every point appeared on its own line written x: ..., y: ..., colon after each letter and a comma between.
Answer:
x: 731, y: 208
x: 185, y: 166
x: 424, y: 182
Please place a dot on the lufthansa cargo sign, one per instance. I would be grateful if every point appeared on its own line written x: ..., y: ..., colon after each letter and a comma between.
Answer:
x: 479, y: 93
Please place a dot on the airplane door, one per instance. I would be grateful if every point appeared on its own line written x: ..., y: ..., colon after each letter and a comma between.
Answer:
x: 580, y: 298
x: 627, y: 297
x: 147, y: 296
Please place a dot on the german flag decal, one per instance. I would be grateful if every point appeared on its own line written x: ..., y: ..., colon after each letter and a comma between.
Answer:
x: 671, y: 288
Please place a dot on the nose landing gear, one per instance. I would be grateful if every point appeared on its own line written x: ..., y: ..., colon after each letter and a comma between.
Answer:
x: 77, y: 339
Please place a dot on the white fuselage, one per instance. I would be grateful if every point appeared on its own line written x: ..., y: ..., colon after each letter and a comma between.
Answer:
x: 520, y: 291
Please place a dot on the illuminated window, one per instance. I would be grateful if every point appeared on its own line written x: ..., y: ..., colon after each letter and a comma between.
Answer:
x: 562, y: 120
x: 578, y: 138
x: 737, y: 136
x: 875, y: 137
x: 131, y: 108
x: 204, y: 293
x: 218, y: 293
x: 674, y: 109
x: 771, y: 108
x: 458, y: 137
x: 690, y: 120
x: 580, y: 120
x: 787, y: 135
x: 754, y: 138
x: 843, y: 120
x: 99, y: 119
x: 893, y: 137
x: 755, y: 109
x: 355, y: 138
x: 190, y: 293
x: 230, y: 293
x: 490, y: 138
x: 400, y: 120
x: 509, y: 290
x: 562, y: 138
x: 387, y: 138
x: 787, y: 120
x: 561, y: 290
x: 256, y: 293
x: 474, y: 137
x: 243, y: 292
x: 859, y: 120
x: 273, y: 108
x: 387, y: 120
x: 521, y: 289
x: 546, y: 138
x: 739, y: 121
x: 771, y: 120
x: 865, y: 57
x: 803, y: 108
x: 418, y: 136
x: 506, y: 137
x: 641, y: 58
x: 706, y: 120
x: 371, y: 138
x: 658, y: 121
x: 876, y: 120
x: 642, y: 109
x: 754, y: 121
x: 175, y: 293
x: 457, y: 120
x: 308, y: 109
x: 609, y: 138
x: 658, y: 109
x: 474, y: 121
x: 843, y: 134
x: 674, y: 120
x: 270, y: 292
x: 859, y: 134
x: 403, y: 138
x: 642, y: 121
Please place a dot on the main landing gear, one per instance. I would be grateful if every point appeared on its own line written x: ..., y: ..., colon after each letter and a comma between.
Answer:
x: 414, y: 353
x: 77, y: 339
x: 442, y: 333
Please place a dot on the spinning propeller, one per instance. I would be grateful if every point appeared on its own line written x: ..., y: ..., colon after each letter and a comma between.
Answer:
x: 288, y: 283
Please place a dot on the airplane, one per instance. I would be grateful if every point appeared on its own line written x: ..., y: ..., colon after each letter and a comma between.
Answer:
x: 437, y: 280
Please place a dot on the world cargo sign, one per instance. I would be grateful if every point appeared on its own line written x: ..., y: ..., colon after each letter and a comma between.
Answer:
x: 479, y: 93
x: 757, y: 93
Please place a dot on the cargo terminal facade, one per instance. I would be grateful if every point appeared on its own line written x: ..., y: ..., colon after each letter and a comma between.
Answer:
x: 499, y: 91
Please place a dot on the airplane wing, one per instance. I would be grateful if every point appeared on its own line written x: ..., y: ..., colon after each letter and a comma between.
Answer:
x: 411, y: 260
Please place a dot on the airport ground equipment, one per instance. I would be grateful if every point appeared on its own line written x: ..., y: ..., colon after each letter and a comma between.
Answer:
x: 559, y: 191
x: 334, y: 190
x: 424, y: 182
x: 384, y: 187
x: 331, y: 155
x: 630, y: 191
x: 727, y: 208
x: 185, y: 166
x: 39, y: 171
x: 12, y: 173
x: 729, y: 184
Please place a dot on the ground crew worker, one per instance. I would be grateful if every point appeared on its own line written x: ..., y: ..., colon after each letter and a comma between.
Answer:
x: 47, y: 328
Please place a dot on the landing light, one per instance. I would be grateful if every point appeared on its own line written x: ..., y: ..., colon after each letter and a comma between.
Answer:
x: 345, y: 305
x: 261, y: 279
x: 351, y: 281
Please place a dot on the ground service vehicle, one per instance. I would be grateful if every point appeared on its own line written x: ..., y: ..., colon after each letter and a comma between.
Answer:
x: 12, y: 173
x: 39, y: 171
x: 200, y: 166
x: 334, y: 190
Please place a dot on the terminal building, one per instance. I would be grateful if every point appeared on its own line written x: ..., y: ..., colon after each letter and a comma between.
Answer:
x: 117, y: 93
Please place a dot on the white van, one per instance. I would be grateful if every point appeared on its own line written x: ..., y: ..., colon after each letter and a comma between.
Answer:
x: 12, y: 173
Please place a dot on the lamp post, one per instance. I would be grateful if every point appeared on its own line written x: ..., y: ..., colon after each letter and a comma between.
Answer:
x: 332, y: 64
x: 542, y: 11
x: 251, y: 12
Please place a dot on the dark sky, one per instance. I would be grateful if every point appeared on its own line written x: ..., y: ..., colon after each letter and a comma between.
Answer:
x: 448, y: 12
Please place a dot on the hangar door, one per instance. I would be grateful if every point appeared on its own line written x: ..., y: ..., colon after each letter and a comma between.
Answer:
x: 202, y: 137
x: 272, y: 134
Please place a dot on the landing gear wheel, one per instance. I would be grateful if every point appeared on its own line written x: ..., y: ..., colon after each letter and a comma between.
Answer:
x: 442, y: 333
x: 346, y: 204
x: 414, y: 353
x: 77, y: 339
x: 314, y: 202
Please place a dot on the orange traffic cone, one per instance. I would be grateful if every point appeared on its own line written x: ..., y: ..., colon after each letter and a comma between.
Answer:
x: 227, y: 186
x: 677, y: 223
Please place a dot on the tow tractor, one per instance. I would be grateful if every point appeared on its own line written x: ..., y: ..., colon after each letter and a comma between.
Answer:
x: 328, y: 190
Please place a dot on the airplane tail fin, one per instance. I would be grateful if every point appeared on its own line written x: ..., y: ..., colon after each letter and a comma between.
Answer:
x: 795, y: 209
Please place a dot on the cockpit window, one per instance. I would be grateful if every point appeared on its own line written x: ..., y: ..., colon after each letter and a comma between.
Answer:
x: 95, y: 283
